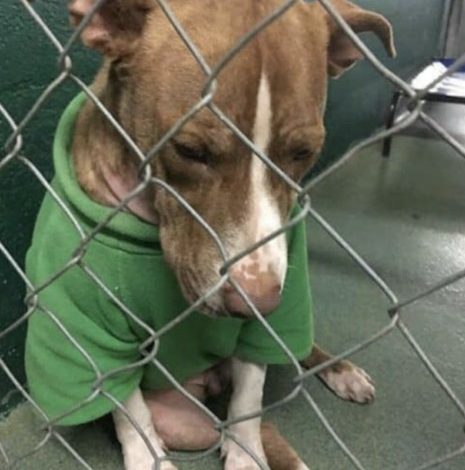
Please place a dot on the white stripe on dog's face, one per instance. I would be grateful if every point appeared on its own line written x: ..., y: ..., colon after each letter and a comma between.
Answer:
x: 264, y: 217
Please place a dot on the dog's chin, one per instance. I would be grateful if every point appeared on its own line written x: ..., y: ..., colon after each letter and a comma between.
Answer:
x: 211, y: 307
x: 212, y: 311
x: 194, y: 290
x: 216, y: 310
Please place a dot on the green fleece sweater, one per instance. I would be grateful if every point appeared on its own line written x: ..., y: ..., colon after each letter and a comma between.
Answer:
x: 127, y: 257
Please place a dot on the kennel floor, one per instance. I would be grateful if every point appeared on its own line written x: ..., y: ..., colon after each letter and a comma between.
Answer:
x: 406, y: 217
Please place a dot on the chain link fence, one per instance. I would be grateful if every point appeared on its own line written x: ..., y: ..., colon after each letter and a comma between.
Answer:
x: 13, y: 151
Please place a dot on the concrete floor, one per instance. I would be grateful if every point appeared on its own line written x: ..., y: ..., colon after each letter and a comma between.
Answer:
x: 405, y: 215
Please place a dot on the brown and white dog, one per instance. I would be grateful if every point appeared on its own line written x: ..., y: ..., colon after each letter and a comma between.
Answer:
x: 274, y: 90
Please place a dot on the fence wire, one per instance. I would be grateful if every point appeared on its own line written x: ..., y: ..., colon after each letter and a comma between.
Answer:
x: 13, y: 151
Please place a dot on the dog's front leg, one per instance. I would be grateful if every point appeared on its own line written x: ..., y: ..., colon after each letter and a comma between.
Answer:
x: 248, y: 380
x: 137, y: 455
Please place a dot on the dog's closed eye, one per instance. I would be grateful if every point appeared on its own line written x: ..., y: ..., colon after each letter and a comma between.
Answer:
x: 195, y: 154
x: 302, y: 154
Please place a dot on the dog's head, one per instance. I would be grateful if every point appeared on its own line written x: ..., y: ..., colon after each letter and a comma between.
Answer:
x: 274, y: 91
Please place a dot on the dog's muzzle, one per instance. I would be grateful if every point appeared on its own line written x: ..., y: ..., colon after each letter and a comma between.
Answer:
x: 263, y: 289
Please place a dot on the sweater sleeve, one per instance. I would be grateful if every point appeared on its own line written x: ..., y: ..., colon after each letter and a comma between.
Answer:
x: 76, y: 335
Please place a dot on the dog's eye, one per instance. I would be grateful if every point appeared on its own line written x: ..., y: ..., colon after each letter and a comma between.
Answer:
x: 302, y: 154
x: 198, y: 155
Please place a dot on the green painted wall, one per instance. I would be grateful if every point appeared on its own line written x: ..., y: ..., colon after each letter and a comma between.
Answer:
x: 356, y: 106
x: 27, y: 64
x: 358, y: 100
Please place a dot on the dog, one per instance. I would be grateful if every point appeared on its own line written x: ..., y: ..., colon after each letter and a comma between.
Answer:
x: 274, y: 91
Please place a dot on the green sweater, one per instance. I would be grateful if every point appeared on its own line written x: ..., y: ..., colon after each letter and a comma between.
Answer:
x: 128, y: 258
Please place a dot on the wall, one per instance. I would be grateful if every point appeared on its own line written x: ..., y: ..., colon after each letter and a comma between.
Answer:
x: 456, y: 33
x: 27, y: 64
x: 356, y: 106
x: 358, y: 100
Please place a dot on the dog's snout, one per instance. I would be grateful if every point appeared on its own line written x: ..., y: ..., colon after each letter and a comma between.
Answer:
x: 263, y: 290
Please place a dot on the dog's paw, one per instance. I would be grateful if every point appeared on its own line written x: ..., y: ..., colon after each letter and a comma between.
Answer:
x: 163, y: 466
x: 167, y: 466
x: 349, y: 382
x: 238, y: 459
x: 143, y: 460
x: 149, y: 465
x: 243, y: 462
x: 302, y: 466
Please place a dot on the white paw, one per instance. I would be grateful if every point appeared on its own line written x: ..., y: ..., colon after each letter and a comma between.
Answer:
x: 148, y: 464
x: 239, y: 459
x: 167, y: 466
x: 349, y: 382
x: 244, y: 462
x: 141, y: 459
x: 302, y: 466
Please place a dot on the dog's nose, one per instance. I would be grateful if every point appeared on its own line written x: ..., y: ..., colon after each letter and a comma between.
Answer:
x: 265, y: 304
x: 264, y: 291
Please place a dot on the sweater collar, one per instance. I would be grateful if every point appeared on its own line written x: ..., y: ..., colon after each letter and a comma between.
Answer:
x: 124, y: 225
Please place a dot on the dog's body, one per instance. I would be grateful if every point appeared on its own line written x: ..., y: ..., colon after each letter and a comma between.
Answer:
x: 274, y: 90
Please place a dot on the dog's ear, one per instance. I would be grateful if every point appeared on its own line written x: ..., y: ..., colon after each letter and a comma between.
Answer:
x: 115, y: 27
x: 342, y: 53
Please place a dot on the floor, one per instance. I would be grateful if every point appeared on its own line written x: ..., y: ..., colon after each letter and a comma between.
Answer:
x: 405, y: 215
